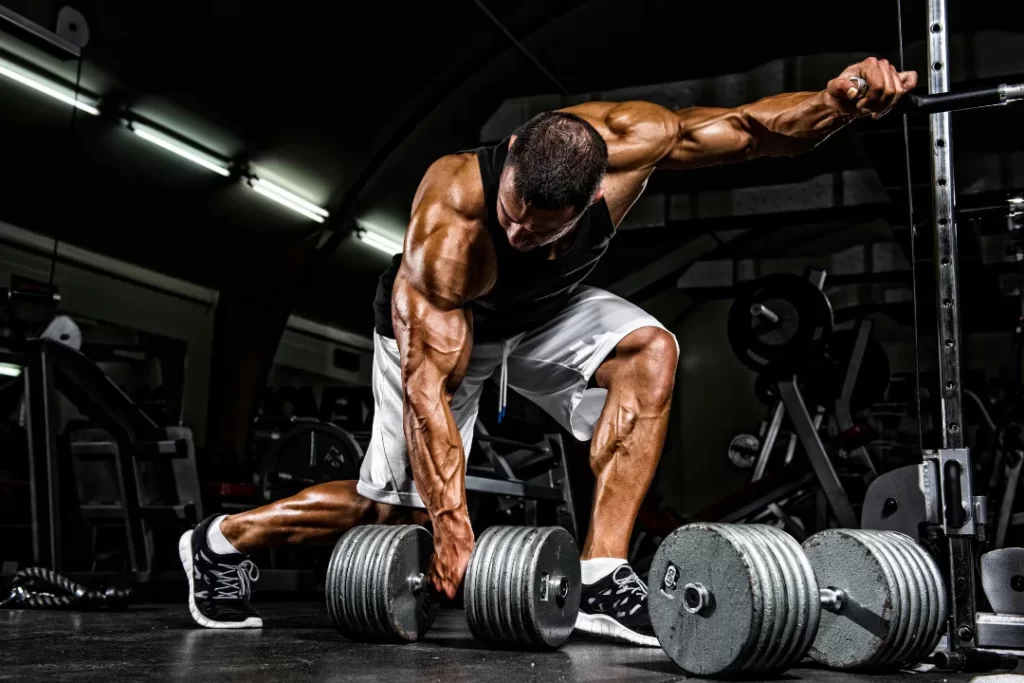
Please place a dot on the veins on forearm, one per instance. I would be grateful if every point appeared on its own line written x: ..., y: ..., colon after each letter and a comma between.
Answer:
x: 792, y: 122
x: 436, y: 452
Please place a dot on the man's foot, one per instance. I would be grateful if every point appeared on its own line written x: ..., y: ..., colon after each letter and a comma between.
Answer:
x: 219, y: 585
x: 615, y: 608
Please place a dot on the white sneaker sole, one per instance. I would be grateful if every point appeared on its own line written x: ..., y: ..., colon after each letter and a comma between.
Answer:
x: 185, y: 555
x: 604, y: 626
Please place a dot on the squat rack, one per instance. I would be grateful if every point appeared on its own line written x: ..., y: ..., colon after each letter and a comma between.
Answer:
x: 954, y: 460
x: 939, y: 492
x: 962, y: 514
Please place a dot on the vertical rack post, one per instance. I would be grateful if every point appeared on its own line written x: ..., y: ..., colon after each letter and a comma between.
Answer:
x: 961, y: 628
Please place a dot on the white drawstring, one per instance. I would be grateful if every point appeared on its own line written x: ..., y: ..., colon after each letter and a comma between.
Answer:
x: 503, y: 382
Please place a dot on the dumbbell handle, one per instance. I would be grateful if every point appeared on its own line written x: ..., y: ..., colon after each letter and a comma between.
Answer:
x: 762, y: 311
x: 832, y: 599
x: 696, y: 597
x: 417, y: 583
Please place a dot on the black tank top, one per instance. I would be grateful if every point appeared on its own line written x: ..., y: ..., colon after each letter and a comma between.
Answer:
x: 530, y: 287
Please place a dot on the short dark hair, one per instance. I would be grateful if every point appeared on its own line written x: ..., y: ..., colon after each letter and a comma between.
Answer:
x: 559, y: 161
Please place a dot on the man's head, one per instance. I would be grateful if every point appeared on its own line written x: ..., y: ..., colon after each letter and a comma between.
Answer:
x: 552, y: 174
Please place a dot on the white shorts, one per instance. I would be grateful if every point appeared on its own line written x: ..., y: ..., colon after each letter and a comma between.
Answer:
x: 550, y: 365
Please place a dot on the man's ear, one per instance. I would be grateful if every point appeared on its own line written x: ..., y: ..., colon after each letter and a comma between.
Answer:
x: 598, y: 195
x: 512, y: 140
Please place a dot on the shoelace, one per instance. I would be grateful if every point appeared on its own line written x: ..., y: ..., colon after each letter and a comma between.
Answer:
x: 236, y: 580
x: 631, y: 583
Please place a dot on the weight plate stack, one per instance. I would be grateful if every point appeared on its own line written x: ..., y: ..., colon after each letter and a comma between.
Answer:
x: 372, y: 585
x: 926, y: 580
x: 893, y: 599
x: 801, y: 587
x: 523, y: 586
x: 732, y: 598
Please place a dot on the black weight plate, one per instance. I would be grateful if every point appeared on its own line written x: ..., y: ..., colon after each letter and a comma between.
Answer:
x: 308, y: 454
x: 804, y: 322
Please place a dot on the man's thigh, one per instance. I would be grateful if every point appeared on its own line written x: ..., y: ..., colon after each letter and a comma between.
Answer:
x: 553, y: 364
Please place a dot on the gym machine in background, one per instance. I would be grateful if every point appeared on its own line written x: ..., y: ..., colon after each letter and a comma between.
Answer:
x: 937, y: 497
x: 782, y: 326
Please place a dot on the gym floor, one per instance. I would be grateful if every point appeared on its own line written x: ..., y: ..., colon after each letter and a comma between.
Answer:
x: 299, y: 643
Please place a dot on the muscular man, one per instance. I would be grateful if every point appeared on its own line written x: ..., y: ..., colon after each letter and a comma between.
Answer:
x: 489, y: 284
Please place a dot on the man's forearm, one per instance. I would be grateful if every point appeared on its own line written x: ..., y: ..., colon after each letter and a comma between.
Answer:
x: 792, y: 123
x: 437, y: 458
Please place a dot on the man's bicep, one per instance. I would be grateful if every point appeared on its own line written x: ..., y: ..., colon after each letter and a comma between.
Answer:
x: 434, y: 337
x: 707, y: 136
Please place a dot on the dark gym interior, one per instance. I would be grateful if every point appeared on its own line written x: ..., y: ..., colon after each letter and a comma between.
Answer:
x: 198, y: 200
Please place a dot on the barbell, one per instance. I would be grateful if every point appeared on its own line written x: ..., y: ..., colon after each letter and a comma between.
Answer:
x: 522, y: 585
x: 730, y: 599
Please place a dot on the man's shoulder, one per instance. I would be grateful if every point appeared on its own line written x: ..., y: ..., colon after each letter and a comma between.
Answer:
x: 448, y: 250
x: 451, y: 195
x: 457, y: 184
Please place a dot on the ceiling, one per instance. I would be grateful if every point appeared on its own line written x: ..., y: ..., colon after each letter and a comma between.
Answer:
x: 347, y: 105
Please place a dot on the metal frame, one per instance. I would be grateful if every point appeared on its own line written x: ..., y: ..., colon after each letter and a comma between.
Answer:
x: 824, y: 472
x: 42, y: 455
x: 51, y: 368
x: 960, y: 539
x: 40, y: 32
x: 805, y: 426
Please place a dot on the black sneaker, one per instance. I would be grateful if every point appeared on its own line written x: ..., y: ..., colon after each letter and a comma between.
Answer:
x: 615, y: 608
x: 219, y: 585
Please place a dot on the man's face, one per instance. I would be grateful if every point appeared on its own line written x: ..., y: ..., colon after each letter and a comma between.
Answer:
x: 528, y: 227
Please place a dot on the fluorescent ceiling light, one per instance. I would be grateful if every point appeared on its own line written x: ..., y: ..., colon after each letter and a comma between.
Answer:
x: 289, y: 200
x: 57, y: 92
x: 181, y: 149
x: 9, y: 370
x: 290, y: 197
x: 376, y: 240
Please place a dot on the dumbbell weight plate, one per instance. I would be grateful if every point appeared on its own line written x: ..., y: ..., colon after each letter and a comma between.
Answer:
x: 885, y: 621
x: 802, y: 587
x: 730, y: 598
x: 930, y: 586
x: 523, y: 586
x: 371, y: 584
x: 779, y: 599
x: 858, y: 634
x: 904, y: 615
x: 920, y: 599
x: 707, y: 602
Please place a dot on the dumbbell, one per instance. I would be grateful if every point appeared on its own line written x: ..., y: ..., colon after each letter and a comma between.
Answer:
x: 522, y: 585
x: 728, y: 599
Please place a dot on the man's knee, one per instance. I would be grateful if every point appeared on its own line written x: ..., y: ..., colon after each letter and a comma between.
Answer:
x: 654, y: 354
